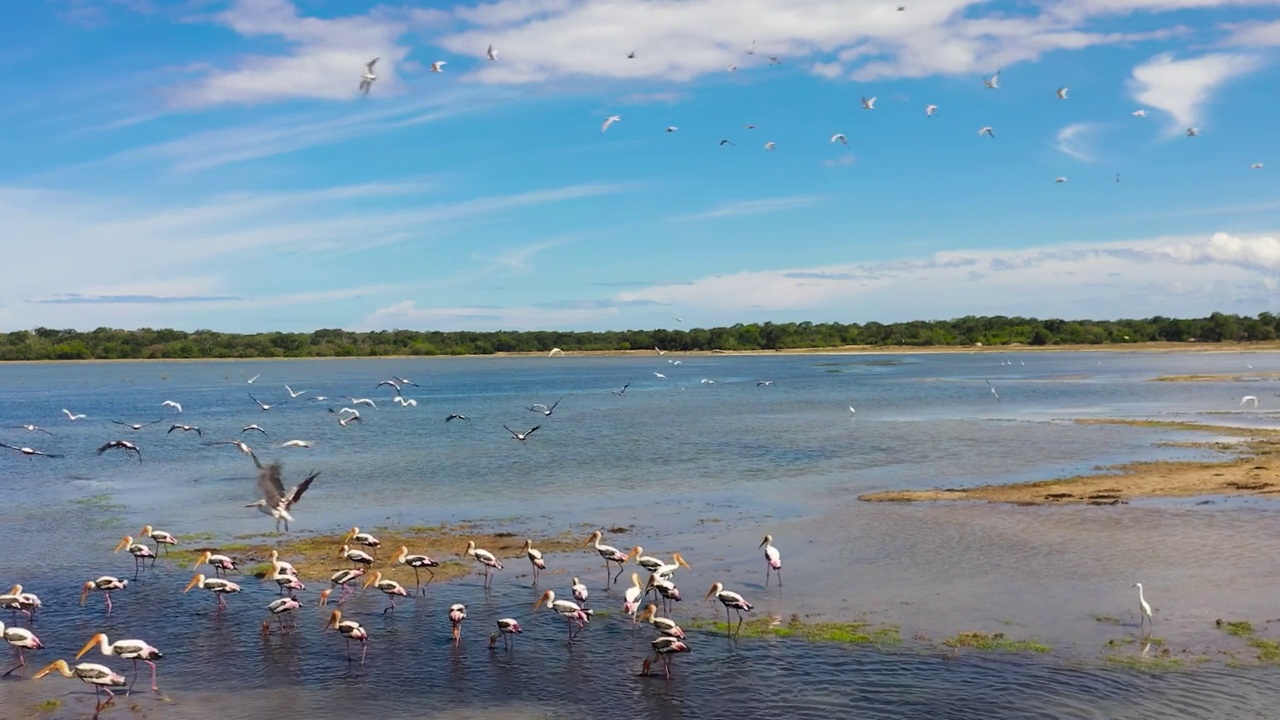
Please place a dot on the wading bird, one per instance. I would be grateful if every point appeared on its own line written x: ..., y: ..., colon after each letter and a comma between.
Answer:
x: 521, y: 436
x: 185, y: 429
x: 134, y: 650
x: 73, y: 416
x: 667, y: 589
x: 275, y: 501
x: 31, y: 454
x: 350, y: 630
x: 666, y: 626
x: 507, y: 627
x: 105, y: 585
x: 485, y: 558
x: 124, y: 445
x: 580, y: 592
x: 1144, y: 610
x: 219, y: 563
x: 610, y: 554
x: 665, y: 571
x: 417, y: 562
x: 730, y: 600
x: 101, y: 677
x: 220, y: 587
x: 631, y: 598
x: 20, y: 640
x: 141, y: 553
x: 535, y: 559
x: 362, y: 538
x: 772, y: 560
x: 457, y: 613
x: 389, y: 587
x: 665, y: 647
x: 342, y: 579
x: 572, y: 614
x: 159, y: 537
x: 359, y: 557
x: 278, y: 609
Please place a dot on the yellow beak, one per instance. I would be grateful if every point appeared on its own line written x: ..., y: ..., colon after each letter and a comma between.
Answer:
x: 87, y: 646
x: 197, y: 580
x: 680, y: 561
x: 85, y: 594
x: 204, y: 557
x: 124, y: 542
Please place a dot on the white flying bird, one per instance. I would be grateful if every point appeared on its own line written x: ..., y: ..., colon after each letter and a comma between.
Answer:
x: 1059, y: 179
x: 360, y: 401
x: 993, y: 83
x: 292, y: 393
x: 869, y: 103
x: 732, y: 68
x: 1139, y: 113
x: 839, y: 138
x: 672, y: 128
x: 1256, y: 166
x: 770, y: 145
x: 366, y: 82
x: 986, y: 131
x: 929, y: 110
x: 172, y: 404
x: 72, y: 417
x: 554, y: 351
x: 1247, y: 399
x: 773, y: 60
x: 491, y: 53
x: 1192, y: 132
x: 254, y: 426
x: 438, y: 66
x: 296, y: 443
x: 1062, y: 93
x: 609, y: 121
x: 660, y: 375
x: 265, y: 407
x: 405, y: 403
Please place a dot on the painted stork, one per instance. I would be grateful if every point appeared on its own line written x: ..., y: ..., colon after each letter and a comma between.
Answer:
x: 359, y: 557
x: 730, y: 600
x: 219, y: 563
x: 632, y: 597
x: 350, y: 630
x: 218, y: 586
x: 342, y: 579
x: 19, y: 639
x: 485, y: 558
x: 665, y: 647
x: 535, y: 559
x: 139, y: 552
x: 101, y: 677
x: 159, y: 537
x: 572, y: 614
x: 507, y: 627
x: 362, y: 538
x: 666, y: 626
x: 772, y: 559
x: 134, y: 650
x: 417, y: 562
x: 278, y: 609
x: 610, y: 554
x: 389, y: 587
x: 105, y: 584
x: 457, y: 613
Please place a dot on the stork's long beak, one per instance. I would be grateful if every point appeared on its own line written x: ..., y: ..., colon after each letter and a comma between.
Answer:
x: 84, y: 595
x: 350, y: 534
x: 680, y: 561
x: 710, y: 593
x: 48, y: 669
x: 124, y: 542
x: 202, y: 559
x: 635, y: 553
x: 589, y: 540
x: 764, y: 542
x: 88, y: 646
x: 324, y: 598
x: 335, y: 617
x: 541, y: 600
x: 194, y: 581
x: 372, y: 579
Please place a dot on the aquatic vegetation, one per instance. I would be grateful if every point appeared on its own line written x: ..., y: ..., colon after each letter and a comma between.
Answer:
x: 1238, y: 628
x: 1156, y: 663
x: 995, y: 642
x: 854, y: 632
x: 1268, y: 651
x: 1107, y: 619
x: 48, y: 705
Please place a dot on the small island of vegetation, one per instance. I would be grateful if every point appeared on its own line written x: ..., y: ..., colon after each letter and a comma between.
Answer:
x: 146, y: 343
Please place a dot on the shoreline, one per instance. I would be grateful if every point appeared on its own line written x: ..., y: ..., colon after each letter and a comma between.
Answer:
x: 1137, y: 347
x: 1246, y: 474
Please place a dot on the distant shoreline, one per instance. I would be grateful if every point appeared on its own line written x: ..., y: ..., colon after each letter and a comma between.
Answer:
x: 1139, y: 347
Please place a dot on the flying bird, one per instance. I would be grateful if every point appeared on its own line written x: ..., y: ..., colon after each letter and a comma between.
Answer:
x: 1062, y: 93
x: 554, y: 351
x: 770, y: 145
x: 405, y: 381
x: 1256, y: 166
x: 275, y: 501
x: 438, y: 66
x: 773, y: 60
x: 32, y: 428
x: 1193, y: 131
x: 265, y: 407
x: 389, y: 383
x: 869, y: 103
x: 172, y: 404
x: 725, y: 142
x: 73, y: 417
x: 631, y: 55
x: 185, y: 428
x: 659, y: 375
x: 491, y: 53
x: 546, y: 411
x: 124, y: 445
x: 296, y: 443
x: 732, y: 68
x: 254, y: 426
x: 993, y: 389
x: 361, y: 401
x: 366, y: 84
x: 929, y: 110
x: 410, y: 402
x: 1059, y: 179
x: 764, y: 383
x: 255, y: 377
x: 135, y: 426
x: 521, y: 436
x: 1139, y: 113
x: 29, y: 452
x: 986, y: 130
x: 993, y: 83
x: 242, y: 447
x: 621, y: 392
x: 609, y: 121
x: 293, y: 393
x: 839, y: 138
x: 672, y: 128
x: 456, y: 416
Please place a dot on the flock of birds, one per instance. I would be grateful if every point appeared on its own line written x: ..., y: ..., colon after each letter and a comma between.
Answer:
x: 868, y: 103
x: 277, y: 500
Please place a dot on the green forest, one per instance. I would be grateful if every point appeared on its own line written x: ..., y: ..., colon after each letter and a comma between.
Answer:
x: 111, y: 344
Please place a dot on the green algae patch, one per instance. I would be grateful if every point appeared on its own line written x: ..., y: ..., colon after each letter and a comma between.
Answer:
x: 48, y: 705
x: 1266, y: 651
x: 855, y: 632
x: 1107, y: 619
x: 996, y: 642
x: 1238, y: 628
x: 1156, y: 664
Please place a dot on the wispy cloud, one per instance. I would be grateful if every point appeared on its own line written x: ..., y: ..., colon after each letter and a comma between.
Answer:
x: 844, y: 160
x: 518, y: 260
x: 753, y: 207
x: 1255, y: 34
x: 76, y: 299
x: 655, y: 98
x: 1071, y: 140
x: 1182, y: 88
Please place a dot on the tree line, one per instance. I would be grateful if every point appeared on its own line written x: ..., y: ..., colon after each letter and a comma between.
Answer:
x: 113, y: 344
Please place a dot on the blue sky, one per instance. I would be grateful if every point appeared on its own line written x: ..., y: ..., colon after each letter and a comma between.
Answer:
x: 211, y: 164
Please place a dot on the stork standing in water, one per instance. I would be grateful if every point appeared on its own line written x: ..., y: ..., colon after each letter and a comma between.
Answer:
x: 572, y: 614
x: 457, y: 613
x: 219, y: 563
x: 507, y: 627
x: 390, y: 588
x: 362, y: 538
x: 772, y: 560
x: 485, y: 558
x: 218, y: 586
x: 19, y: 601
x: 730, y: 600
x: 417, y: 562
x: 580, y: 592
x: 275, y: 501
x: 101, y: 677
x: 105, y: 585
x: 535, y: 559
x: 610, y: 554
x: 666, y: 626
x: 278, y: 609
x: 350, y: 630
x: 134, y: 650
x: 664, y: 647
x: 19, y: 639
x: 139, y: 552
x: 159, y: 537
x: 343, y: 579
x: 632, y: 597
x: 667, y: 589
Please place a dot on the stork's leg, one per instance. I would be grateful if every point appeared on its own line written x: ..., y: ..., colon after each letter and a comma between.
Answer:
x: 619, y: 573
x: 726, y: 621
x: 364, y: 648
x: 107, y: 594
x: 739, y: 628
x: 417, y: 582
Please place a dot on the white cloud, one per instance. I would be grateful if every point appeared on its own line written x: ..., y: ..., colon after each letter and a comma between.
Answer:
x: 518, y: 260
x: 325, y: 60
x: 1176, y: 276
x: 753, y: 207
x: 1071, y: 140
x: 1258, y: 34
x: 1183, y: 87
x: 845, y: 160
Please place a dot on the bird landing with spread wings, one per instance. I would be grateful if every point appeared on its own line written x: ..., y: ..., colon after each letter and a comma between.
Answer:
x: 275, y: 501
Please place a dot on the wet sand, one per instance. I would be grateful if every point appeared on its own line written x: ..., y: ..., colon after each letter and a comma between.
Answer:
x: 1220, y: 377
x: 1251, y: 472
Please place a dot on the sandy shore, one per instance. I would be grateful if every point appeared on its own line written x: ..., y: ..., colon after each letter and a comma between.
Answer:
x: 1252, y: 472
x: 1224, y: 377
x: 1143, y: 347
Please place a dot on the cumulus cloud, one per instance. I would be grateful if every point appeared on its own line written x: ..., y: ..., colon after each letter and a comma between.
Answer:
x: 1182, y: 88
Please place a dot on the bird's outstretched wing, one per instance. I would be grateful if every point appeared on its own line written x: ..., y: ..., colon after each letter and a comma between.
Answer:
x: 513, y: 432
x: 118, y: 422
x: 535, y: 427
x: 296, y: 493
x: 539, y: 407
x: 3, y: 445
x: 370, y: 64
x: 555, y: 404
x: 270, y: 484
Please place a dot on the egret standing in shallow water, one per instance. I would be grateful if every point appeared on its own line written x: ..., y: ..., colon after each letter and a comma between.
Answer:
x: 1144, y: 608
x: 535, y: 559
x: 772, y: 559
